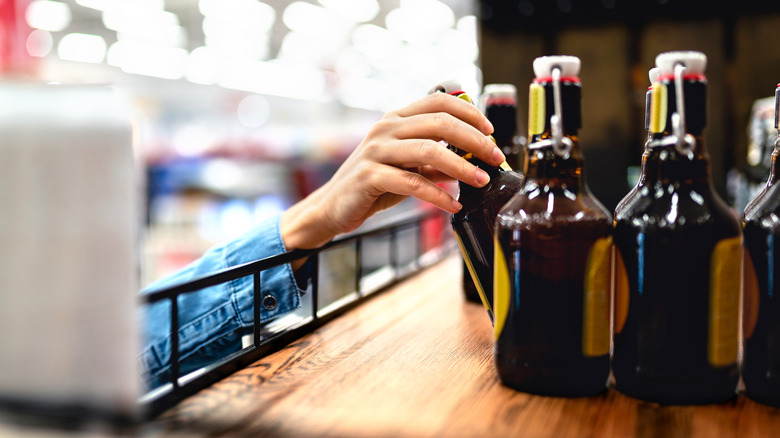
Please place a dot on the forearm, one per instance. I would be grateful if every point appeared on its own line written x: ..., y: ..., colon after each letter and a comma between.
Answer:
x: 305, y: 225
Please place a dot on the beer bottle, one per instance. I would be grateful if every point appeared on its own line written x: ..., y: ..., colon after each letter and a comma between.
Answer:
x: 677, y: 257
x: 634, y: 192
x: 500, y: 105
x: 552, y: 253
x: 761, y: 318
x: 473, y: 224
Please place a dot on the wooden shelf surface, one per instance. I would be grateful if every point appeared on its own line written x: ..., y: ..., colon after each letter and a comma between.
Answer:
x: 416, y: 361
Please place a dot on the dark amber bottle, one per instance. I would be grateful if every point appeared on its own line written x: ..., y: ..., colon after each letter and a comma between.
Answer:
x: 761, y: 319
x: 500, y: 107
x: 677, y: 258
x: 473, y: 224
x: 552, y: 262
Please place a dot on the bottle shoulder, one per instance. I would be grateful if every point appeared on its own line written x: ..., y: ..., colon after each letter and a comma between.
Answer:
x: 675, y: 207
x: 551, y: 205
x: 627, y: 200
x: 764, y: 208
x: 502, y: 186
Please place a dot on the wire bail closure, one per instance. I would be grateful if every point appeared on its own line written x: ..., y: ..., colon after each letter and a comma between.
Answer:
x: 684, y: 142
x: 777, y: 116
x: 561, y: 145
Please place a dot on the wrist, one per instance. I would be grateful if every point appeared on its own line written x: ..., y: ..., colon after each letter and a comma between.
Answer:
x: 304, y: 225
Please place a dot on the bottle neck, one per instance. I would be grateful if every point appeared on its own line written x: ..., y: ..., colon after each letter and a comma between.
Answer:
x: 503, y: 116
x: 667, y: 163
x: 547, y: 167
x: 675, y: 151
x: 541, y: 108
x: 492, y: 171
x: 664, y: 105
x: 551, y: 160
x: 468, y: 156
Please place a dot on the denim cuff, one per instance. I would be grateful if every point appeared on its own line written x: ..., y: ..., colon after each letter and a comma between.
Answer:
x: 212, y: 320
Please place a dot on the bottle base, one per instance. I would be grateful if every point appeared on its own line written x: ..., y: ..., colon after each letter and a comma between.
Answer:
x: 677, y: 391
x: 762, y: 386
x: 770, y: 399
x: 589, y: 378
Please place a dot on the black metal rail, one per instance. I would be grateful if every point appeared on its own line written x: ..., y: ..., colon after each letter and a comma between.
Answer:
x: 264, y: 342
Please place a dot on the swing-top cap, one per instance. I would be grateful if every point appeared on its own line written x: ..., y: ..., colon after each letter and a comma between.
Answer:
x: 695, y: 62
x: 654, y: 74
x: 500, y: 90
x: 569, y: 65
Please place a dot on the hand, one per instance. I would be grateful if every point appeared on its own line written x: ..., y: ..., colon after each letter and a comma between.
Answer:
x: 400, y: 156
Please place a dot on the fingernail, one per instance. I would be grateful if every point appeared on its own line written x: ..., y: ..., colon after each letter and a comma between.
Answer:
x: 482, y: 177
x: 456, y: 206
x: 488, y: 127
x: 498, y: 156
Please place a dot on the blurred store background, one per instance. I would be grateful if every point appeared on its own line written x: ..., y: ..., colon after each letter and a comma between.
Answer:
x: 243, y: 107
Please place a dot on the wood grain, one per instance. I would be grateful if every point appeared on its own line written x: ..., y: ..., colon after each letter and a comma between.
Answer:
x: 416, y: 361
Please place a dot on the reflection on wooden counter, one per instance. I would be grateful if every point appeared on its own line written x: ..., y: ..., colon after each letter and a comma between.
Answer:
x: 417, y: 360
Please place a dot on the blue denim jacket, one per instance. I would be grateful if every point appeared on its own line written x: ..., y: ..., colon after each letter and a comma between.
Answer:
x: 213, y: 320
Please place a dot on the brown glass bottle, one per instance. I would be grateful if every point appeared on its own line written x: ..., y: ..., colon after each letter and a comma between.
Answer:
x: 761, y: 318
x: 473, y: 224
x: 552, y: 262
x: 500, y: 103
x: 677, y: 258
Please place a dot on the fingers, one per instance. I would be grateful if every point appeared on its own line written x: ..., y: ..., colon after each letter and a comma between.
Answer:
x: 443, y: 126
x: 417, y: 153
x: 444, y: 117
x: 441, y: 102
x: 388, y: 179
x: 433, y: 175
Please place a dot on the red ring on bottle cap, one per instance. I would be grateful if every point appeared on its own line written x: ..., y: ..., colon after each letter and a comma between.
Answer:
x: 500, y: 101
x: 548, y: 79
x: 686, y: 77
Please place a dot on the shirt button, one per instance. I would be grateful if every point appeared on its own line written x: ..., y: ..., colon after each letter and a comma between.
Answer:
x: 269, y: 302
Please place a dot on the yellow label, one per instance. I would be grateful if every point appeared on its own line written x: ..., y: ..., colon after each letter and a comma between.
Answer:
x: 595, y: 310
x: 536, y: 110
x: 724, y: 302
x: 621, y: 291
x: 658, y: 108
x: 501, y: 288
x: 750, y: 287
x: 473, y: 273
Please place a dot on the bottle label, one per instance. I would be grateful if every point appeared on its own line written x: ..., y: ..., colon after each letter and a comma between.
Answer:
x: 473, y: 273
x: 536, y: 110
x: 724, y: 302
x: 751, y: 295
x: 595, y: 300
x: 621, y: 291
x: 658, y: 108
x: 501, y: 288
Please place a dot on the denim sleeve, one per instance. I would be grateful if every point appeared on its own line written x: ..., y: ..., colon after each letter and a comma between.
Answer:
x: 212, y: 320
